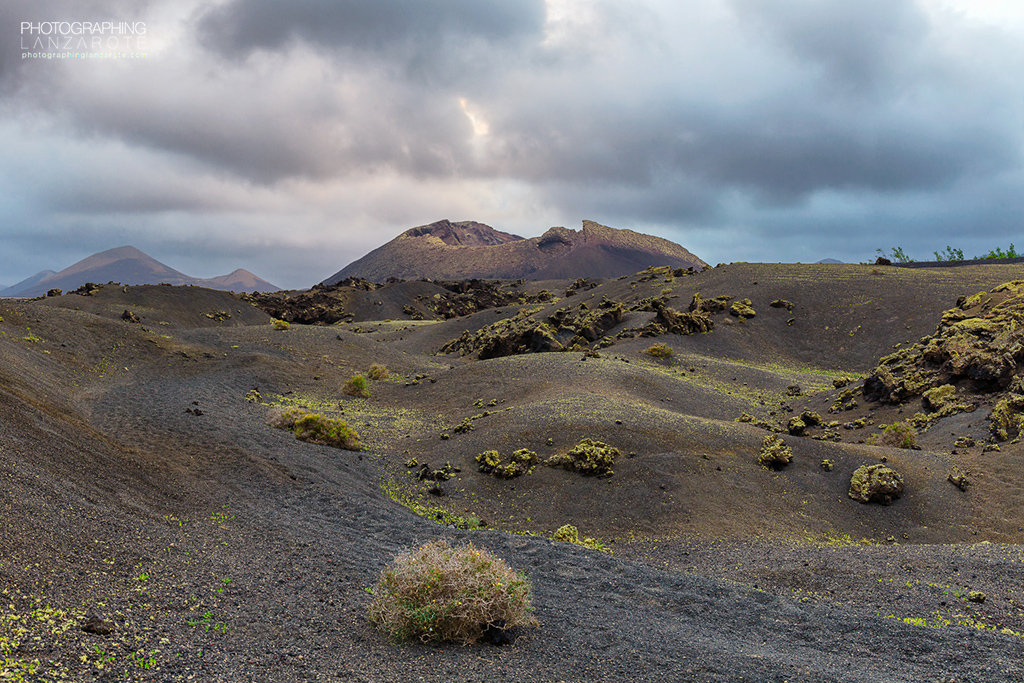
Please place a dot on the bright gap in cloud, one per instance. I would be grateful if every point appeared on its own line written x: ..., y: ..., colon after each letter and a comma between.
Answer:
x: 480, y: 126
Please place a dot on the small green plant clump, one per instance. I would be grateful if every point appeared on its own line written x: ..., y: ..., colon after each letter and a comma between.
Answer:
x: 950, y: 254
x: 463, y: 427
x: 439, y: 593
x: 588, y: 457
x: 999, y: 253
x: 959, y: 478
x: 775, y: 454
x: 357, y: 386
x: 315, y: 428
x: 897, y: 255
x: 280, y: 324
x: 523, y: 461
x: 568, y: 533
x: 378, y: 372
x: 896, y: 435
x: 661, y: 350
x: 488, y: 460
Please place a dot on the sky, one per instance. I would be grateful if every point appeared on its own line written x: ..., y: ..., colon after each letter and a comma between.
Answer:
x: 292, y: 138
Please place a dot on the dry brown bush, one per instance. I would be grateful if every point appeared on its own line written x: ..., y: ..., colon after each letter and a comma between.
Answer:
x: 440, y: 593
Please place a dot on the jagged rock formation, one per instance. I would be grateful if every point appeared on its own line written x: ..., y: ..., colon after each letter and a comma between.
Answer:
x: 976, y: 349
x: 455, y: 251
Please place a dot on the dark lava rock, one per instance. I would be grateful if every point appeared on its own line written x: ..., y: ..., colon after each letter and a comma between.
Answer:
x: 100, y: 627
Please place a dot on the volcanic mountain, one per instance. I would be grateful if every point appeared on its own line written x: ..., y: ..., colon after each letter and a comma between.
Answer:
x: 454, y: 251
x: 129, y: 266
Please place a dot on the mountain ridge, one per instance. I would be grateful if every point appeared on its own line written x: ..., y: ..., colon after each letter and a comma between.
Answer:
x: 466, y: 250
x: 130, y: 266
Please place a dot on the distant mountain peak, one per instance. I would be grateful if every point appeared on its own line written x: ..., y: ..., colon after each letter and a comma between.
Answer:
x: 463, y: 234
x: 130, y: 266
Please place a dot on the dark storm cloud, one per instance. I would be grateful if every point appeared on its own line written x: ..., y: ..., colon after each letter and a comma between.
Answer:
x: 860, y: 44
x: 422, y: 34
x: 784, y: 122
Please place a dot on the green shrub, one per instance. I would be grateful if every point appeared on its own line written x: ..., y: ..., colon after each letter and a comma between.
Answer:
x: 588, y: 457
x: 661, y: 350
x: 285, y: 419
x: 950, y: 254
x: 357, y: 387
x: 999, y: 253
x: 327, y: 431
x: 570, y: 534
x: 279, y: 324
x: 523, y: 462
x: 440, y: 593
x: 896, y: 435
x: 775, y: 454
x: 488, y: 460
x: 378, y: 372
x: 315, y: 428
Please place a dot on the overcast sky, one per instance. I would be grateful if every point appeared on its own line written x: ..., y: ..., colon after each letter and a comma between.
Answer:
x: 292, y: 138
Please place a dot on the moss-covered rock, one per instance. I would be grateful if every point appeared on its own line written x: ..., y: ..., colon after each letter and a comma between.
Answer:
x: 588, y: 457
x: 959, y: 478
x: 488, y: 460
x: 796, y: 426
x: 845, y: 401
x: 523, y: 461
x: 936, y: 398
x: 1007, y: 419
x: 876, y: 484
x: 981, y: 340
x: 774, y: 454
x: 716, y: 305
x: 742, y: 309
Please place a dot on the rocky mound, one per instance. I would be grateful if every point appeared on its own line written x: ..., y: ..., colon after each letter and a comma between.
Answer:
x: 355, y: 300
x: 574, y: 328
x: 455, y: 251
x: 976, y: 349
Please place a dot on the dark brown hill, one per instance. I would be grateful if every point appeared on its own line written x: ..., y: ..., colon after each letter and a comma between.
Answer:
x: 129, y: 266
x: 456, y: 251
